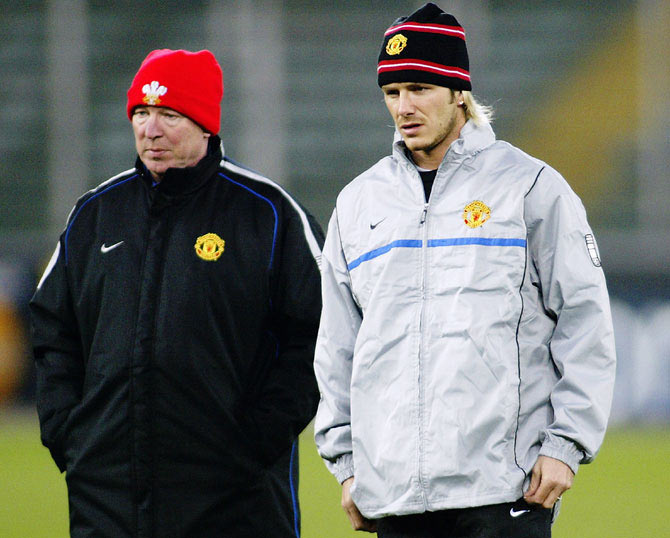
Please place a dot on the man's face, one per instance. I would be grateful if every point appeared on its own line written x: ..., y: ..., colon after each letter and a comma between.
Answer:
x: 166, y: 139
x: 427, y: 116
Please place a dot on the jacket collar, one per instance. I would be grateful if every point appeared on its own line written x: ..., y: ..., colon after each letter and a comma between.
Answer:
x: 473, y: 138
x: 183, y: 181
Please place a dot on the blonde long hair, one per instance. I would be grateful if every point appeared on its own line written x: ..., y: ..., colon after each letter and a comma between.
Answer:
x: 480, y: 114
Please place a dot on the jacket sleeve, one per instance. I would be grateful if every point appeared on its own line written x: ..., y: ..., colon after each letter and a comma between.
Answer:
x: 58, y: 355
x: 571, y: 281
x: 289, y: 395
x: 340, y: 321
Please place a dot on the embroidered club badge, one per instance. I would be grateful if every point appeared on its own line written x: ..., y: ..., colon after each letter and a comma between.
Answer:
x: 209, y: 247
x: 476, y: 213
x: 396, y: 45
x: 153, y: 93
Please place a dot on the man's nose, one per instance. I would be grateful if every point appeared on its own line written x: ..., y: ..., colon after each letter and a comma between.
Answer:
x: 152, y: 128
x: 405, y: 104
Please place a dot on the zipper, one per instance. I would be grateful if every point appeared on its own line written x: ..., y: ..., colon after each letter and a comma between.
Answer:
x: 424, y: 249
x: 421, y: 395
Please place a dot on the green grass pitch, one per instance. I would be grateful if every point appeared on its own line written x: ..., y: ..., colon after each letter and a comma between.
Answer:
x: 624, y: 493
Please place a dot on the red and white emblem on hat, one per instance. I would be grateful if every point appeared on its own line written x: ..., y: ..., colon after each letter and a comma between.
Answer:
x: 153, y: 92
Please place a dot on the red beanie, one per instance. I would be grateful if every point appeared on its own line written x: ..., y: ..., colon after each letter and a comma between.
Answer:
x: 189, y: 82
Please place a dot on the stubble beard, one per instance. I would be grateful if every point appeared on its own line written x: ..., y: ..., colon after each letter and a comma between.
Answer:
x: 429, y: 146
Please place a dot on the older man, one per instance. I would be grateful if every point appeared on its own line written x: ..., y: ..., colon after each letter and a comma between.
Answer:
x: 174, y: 330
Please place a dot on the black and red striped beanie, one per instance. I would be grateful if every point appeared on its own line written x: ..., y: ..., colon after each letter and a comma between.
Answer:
x: 427, y: 46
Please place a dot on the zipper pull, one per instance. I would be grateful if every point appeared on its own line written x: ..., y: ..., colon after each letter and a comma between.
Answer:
x: 423, y: 213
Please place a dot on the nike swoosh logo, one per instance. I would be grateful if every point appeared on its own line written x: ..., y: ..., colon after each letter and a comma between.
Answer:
x: 517, y: 513
x: 373, y: 226
x: 104, y: 249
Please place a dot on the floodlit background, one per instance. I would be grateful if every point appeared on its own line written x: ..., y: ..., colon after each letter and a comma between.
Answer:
x: 584, y: 86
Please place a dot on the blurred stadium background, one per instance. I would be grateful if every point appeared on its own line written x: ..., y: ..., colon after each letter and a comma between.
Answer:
x: 582, y: 85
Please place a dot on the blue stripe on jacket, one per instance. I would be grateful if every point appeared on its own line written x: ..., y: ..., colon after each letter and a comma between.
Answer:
x: 432, y: 243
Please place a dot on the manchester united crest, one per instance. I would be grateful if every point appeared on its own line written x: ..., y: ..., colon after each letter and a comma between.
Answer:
x: 396, y: 44
x: 476, y: 213
x: 209, y: 247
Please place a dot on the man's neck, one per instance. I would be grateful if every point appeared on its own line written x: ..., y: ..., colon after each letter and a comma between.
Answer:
x: 427, y: 160
x: 431, y: 159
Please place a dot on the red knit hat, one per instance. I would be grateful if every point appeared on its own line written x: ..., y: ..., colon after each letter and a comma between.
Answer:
x: 189, y: 82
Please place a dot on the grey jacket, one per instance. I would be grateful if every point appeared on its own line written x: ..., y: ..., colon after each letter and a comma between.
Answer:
x: 463, y: 337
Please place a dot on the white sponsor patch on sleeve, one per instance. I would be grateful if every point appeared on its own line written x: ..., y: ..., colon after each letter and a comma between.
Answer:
x: 593, y: 249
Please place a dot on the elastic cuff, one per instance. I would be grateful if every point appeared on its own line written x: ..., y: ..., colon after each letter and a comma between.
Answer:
x: 344, y: 467
x: 562, y: 449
